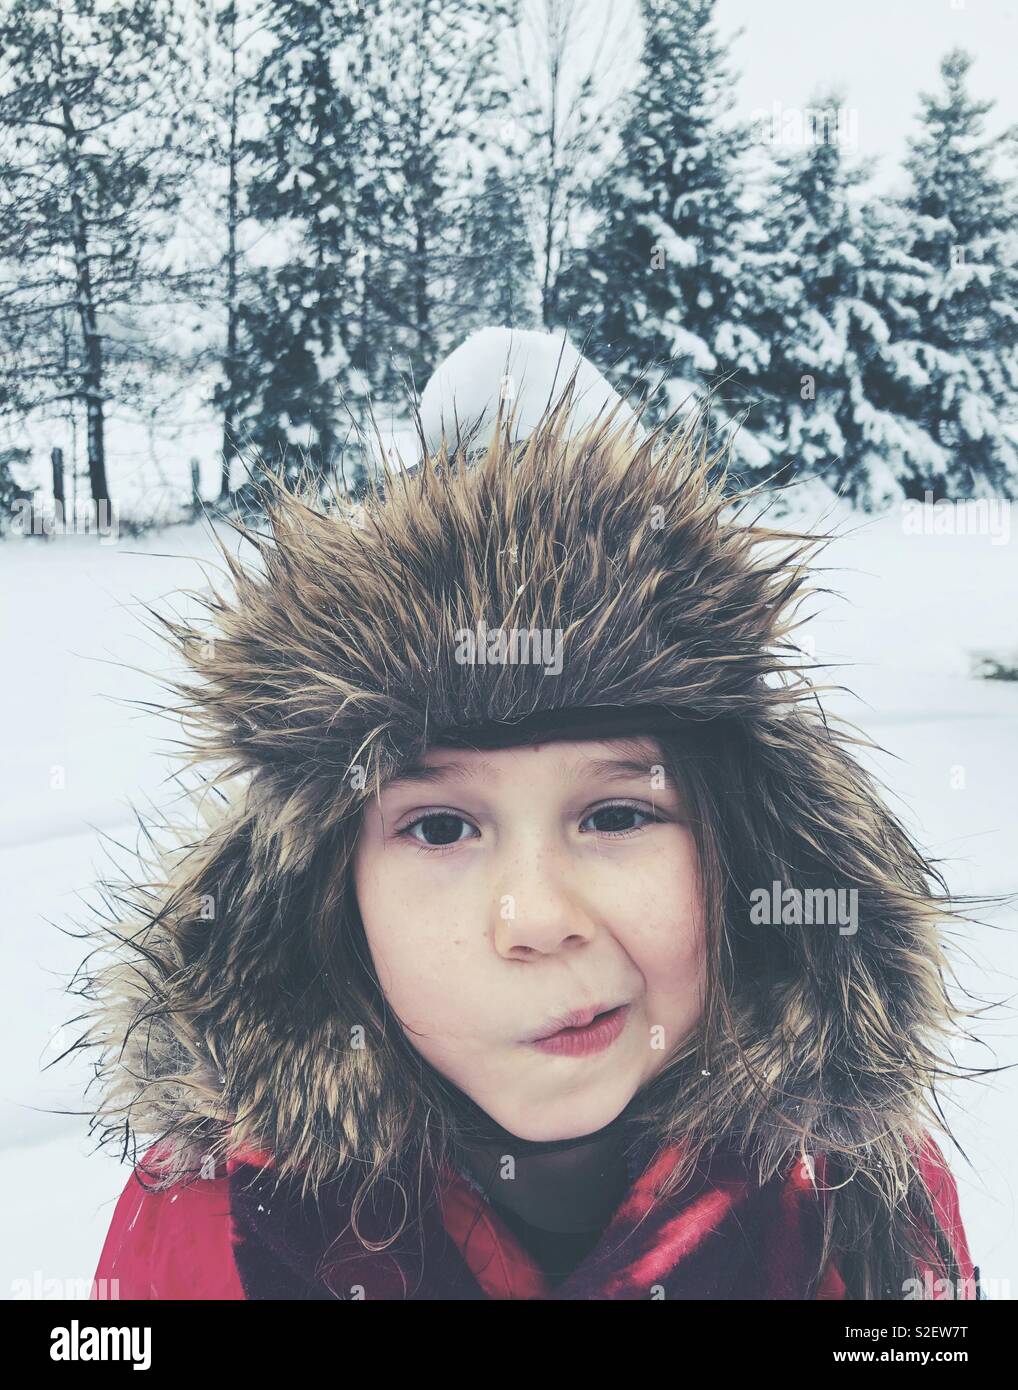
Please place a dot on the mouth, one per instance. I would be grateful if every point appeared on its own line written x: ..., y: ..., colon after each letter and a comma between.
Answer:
x: 588, y: 1031
x: 576, y: 1018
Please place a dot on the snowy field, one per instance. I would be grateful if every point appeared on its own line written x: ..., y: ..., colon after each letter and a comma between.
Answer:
x: 908, y: 615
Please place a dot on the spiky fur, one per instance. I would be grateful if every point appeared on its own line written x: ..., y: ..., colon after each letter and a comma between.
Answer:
x: 330, y: 664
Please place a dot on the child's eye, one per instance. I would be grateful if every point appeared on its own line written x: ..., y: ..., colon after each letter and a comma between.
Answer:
x: 616, y: 813
x: 440, y: 829
x: 435, y: 831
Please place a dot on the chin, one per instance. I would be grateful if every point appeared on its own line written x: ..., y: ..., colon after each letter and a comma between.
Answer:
x: 561, y: 1119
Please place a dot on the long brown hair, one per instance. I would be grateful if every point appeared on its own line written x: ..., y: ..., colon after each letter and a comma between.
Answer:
x: 801, y: 1052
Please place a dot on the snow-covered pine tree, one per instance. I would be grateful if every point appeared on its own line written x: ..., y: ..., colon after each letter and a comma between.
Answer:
x: 887, y: 443
x: 437, y: 88
x: 495, y: 280
x: 663, y: 283
x: 567, y: 54
x: 92, y: 172
x: 964, y: 366
x: 228, y: 53
x: 297, y: 341
x: 830, y: 301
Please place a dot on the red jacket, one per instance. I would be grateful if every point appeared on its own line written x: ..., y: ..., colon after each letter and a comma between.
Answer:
x: 235, y: 1237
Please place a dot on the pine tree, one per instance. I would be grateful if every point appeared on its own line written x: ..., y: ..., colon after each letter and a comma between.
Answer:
x: 495, y: 275
x: 663, y: 283
x: 888, y: 444
x: 438, y: 90
x: 92, y: 170
x: 831, y: 300
x: 564, y: 114
x: 228, y: 54
x: 294, y: 358
x: 962, y: 355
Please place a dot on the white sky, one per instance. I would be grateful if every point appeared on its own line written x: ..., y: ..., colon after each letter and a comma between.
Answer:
x: 884, y: 52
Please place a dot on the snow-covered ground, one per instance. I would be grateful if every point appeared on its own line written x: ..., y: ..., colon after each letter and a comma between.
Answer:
x: 76, y: 753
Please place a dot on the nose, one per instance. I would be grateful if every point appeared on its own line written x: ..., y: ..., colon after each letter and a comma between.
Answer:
x: 539, y: 905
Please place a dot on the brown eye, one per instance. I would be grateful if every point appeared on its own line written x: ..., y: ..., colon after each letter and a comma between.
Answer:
x: 617, y: 818
x: 438, y: 828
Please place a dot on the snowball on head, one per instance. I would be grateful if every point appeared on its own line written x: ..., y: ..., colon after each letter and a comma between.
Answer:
x: 531, y: 370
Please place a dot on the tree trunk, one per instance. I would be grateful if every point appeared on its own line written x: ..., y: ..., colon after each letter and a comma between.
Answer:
x: 230, y: 407
x: 92, y: 376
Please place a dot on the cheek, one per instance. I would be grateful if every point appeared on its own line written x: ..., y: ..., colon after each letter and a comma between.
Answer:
x: 656, y: 903
x: 417, y: 958
x: 659, y: 921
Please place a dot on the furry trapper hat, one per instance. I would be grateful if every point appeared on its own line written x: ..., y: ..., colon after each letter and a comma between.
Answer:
x: 228, y: 988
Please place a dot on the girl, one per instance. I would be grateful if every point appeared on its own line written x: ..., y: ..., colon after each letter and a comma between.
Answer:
x: 551, y: 943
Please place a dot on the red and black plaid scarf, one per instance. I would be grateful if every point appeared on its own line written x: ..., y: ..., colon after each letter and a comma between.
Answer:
x: 242, y: 1235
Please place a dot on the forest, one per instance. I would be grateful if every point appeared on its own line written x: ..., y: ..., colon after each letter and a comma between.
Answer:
x: 267, y: 218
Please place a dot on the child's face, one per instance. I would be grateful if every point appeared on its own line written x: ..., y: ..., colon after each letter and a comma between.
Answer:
x: 503, y: 892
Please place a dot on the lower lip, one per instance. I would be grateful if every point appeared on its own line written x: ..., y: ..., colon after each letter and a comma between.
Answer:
x: 580, y: 1042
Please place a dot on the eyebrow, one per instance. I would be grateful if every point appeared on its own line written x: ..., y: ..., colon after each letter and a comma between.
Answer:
x: 426, y: 772
x: 610, y: 769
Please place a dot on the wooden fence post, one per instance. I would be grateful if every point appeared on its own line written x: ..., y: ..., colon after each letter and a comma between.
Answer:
x: 57, y: 458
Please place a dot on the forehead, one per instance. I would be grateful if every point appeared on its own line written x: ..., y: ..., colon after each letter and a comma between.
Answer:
x: 630, y: 756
